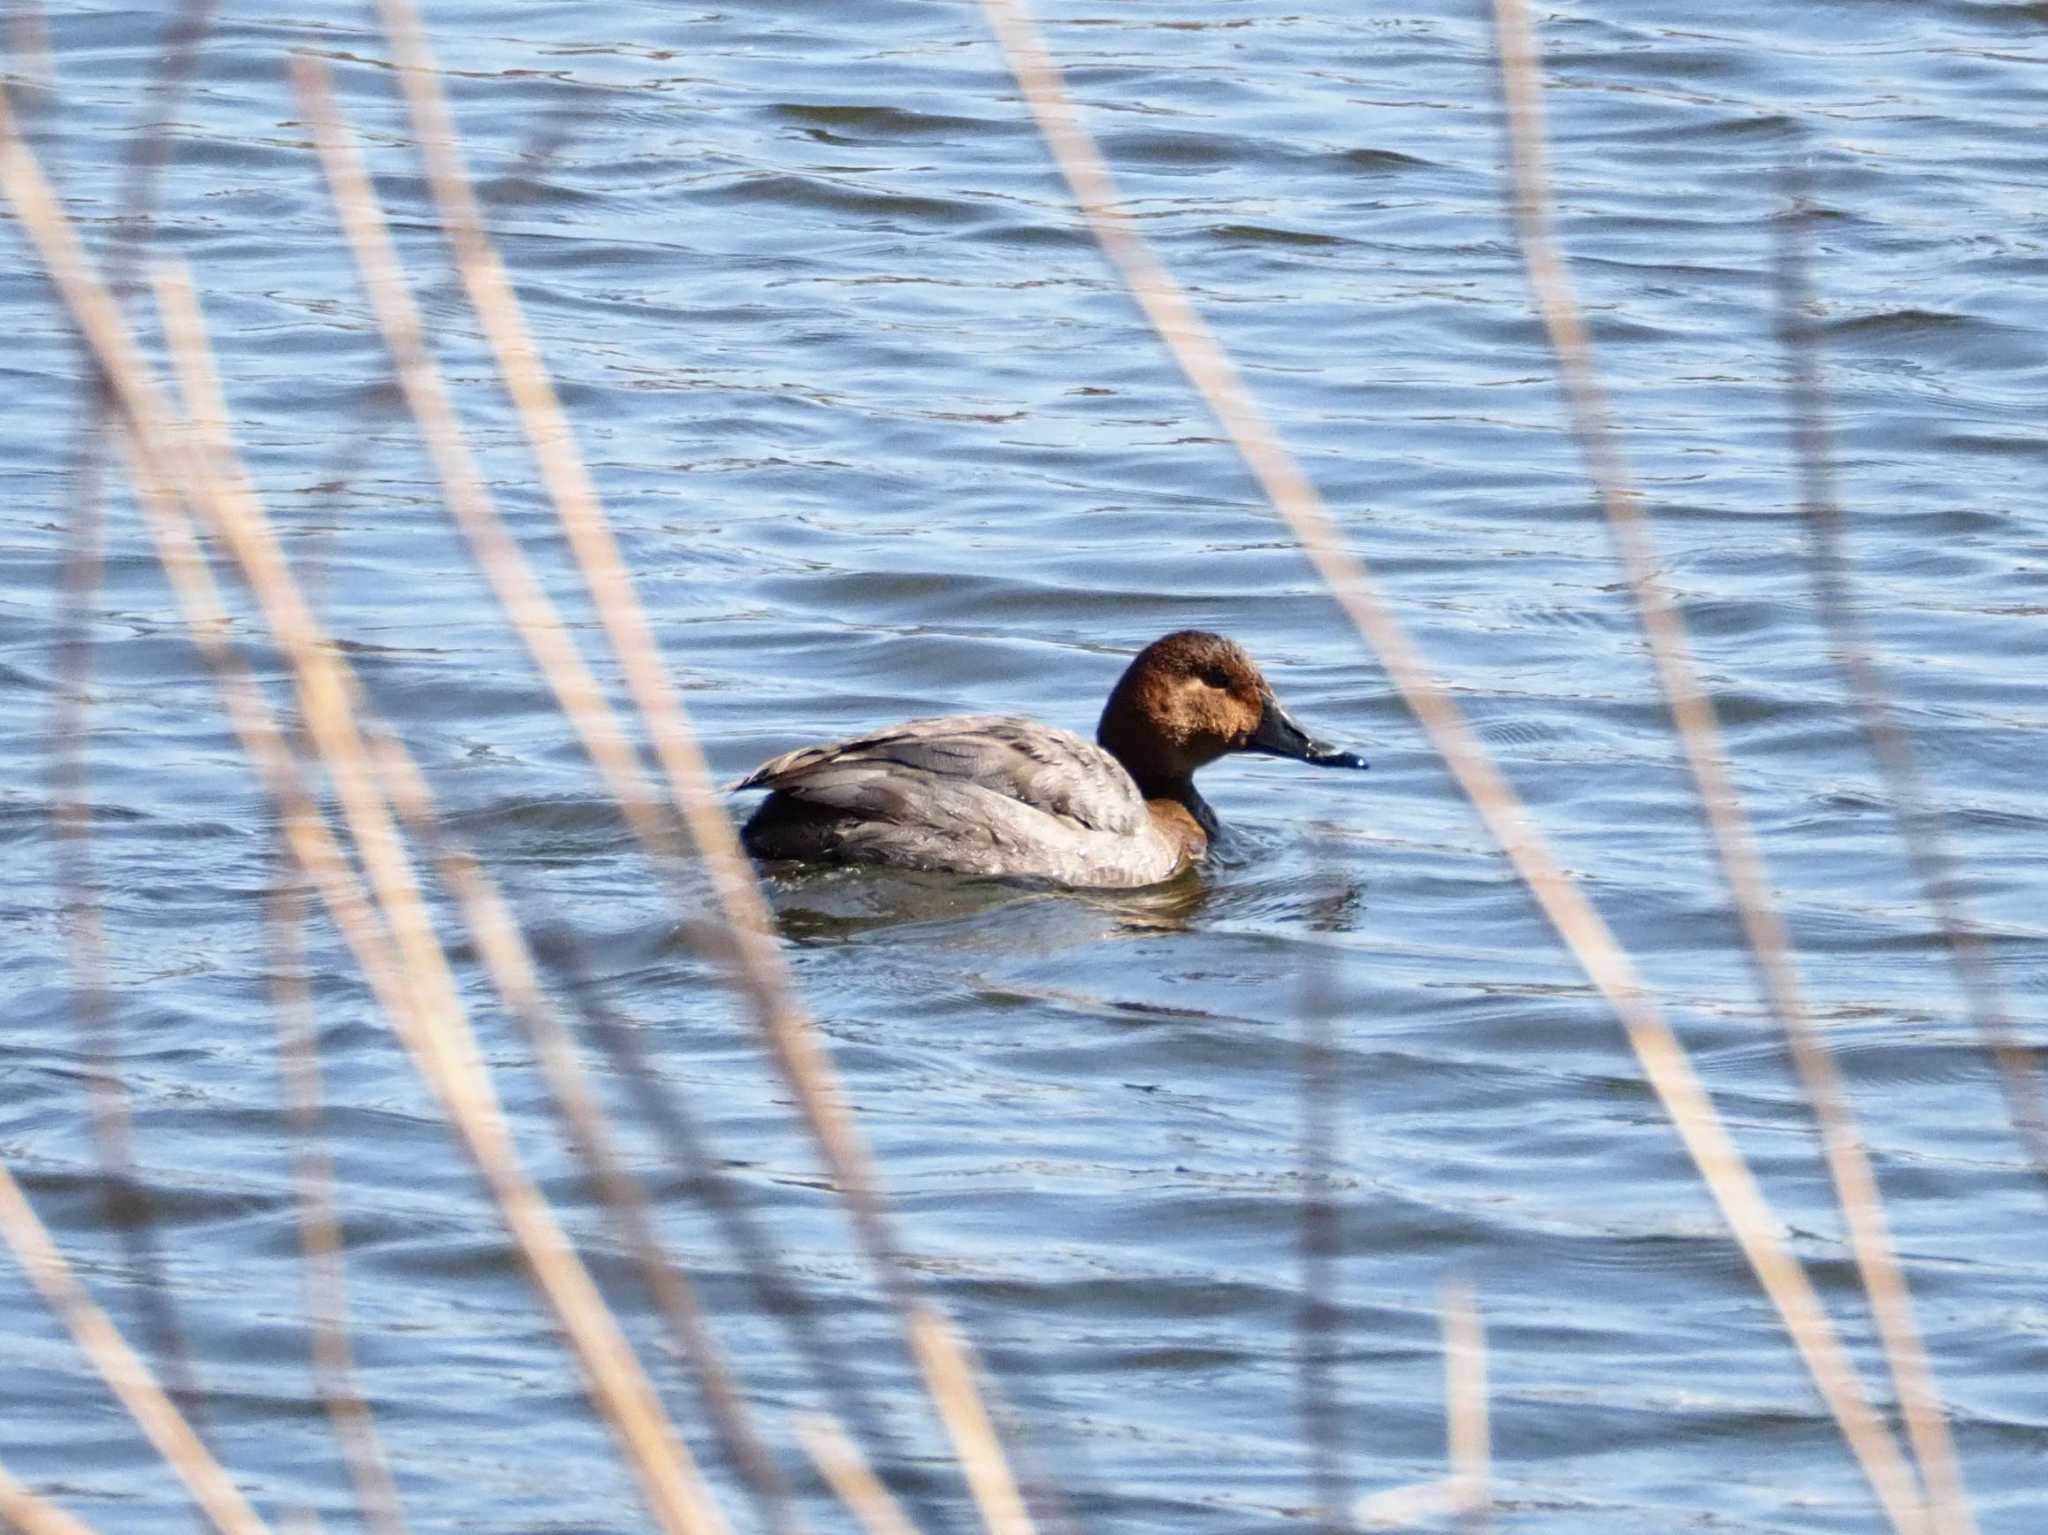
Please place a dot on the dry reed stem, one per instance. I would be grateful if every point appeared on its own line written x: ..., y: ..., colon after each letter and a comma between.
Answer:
x: 24, y: 1511
x: 510, y: 967
x: 321, y: 1238
x: 428, y: 1016
x: 1917, y: 813
x: 1317, y: 1317
x: 510, y: 962
x: 754, y: 957
x: 159, y: 1418
x: 320, y: 1232
x: 28, y: 48
x: 306, y: 836
x: 1698, y: 725
x: 432, y: 1023
x: 124, y: 1200
x: 540, y: 625
x: 762, y: 972
x: 314, y: 851
x: 518, y: 590
x: 1466, y: 1492
x: 120, y: 1366
x: 839, y: 1462
x: 780, y: 1295
x: 1592, y: 943
x: 1465, y: 1409
x: 948, y: 1367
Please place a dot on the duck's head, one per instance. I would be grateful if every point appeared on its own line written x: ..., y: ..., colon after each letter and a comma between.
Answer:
x: 1190, y: 698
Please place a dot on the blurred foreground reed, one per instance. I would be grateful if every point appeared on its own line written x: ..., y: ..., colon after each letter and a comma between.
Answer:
x: 366, y: 845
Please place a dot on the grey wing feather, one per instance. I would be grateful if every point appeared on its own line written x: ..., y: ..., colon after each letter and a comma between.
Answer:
x: 916, y: 769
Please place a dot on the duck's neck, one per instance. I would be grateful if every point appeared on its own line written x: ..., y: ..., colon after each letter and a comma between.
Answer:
x: 1172, y: 799
x: 1170, y: 793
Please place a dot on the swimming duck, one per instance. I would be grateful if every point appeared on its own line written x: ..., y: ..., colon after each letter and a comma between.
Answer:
x: 1001, y: 796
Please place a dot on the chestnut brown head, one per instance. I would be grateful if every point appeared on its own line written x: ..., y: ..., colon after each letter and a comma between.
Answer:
x: 1190, y: 698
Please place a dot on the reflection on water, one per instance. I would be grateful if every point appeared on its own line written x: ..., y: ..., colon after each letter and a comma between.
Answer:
x: 883, y: 439
x: 834, y: 905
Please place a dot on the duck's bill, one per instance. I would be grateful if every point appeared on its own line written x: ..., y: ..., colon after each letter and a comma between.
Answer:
x: 1279, y: 736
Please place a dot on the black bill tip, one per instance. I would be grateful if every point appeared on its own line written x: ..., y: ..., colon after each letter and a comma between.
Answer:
x: 1330, y: 756
x: 1279, y: 736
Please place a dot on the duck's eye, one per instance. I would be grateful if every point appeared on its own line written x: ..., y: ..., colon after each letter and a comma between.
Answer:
x: 1216, y: 679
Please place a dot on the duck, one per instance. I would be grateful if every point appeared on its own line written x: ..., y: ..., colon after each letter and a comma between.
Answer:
x: 1005, y: 797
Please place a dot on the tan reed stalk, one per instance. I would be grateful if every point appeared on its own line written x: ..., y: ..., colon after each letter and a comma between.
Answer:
x: 23, y: 1511
x: 124, y: 1197
x: 307, y: 838
x: 429, y: 1018
x: 125, y: 1373
x: 755, y: 959
x: 1916, y: 812
x: 320, y: 1231
x: 781, y: 1296
x: 538, y: 622
x: 761, y: 970
x: 510, y: 965
x: 120, y: 1366
x: 1465, y: 1410
x: 321, y: 1235
x: 1665, y: 1063
x: 124, y: 1201
x: 28, y: 45
x: 1319, y: 1082
x: 27, y: 40
x: 852, y: 1481
x: 1698, y: 726
x: 512, y: 579
x: 503, y: 948
x: 433, y: 1025
x: 943, y: 1356
x: 1466, y: 1492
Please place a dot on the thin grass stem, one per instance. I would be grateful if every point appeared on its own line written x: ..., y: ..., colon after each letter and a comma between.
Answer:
x: 839, y: 1462
x: 124, y: 1371
x: 1698, y: 726
x: 503, y: 948
x: 942, y: 1354
x: 432, y: 1023
x: 124, y: 1196
x: 1920, y: 822
x: 816, y: 1339
x: 1317, y: 1316
x: 1917, y: 812
x: 756, y: 961
x: 1591, y: 942
x: 25, y: 1512
x: 321, y: 1239
x: 429, y: 1017
x: 1465, y: 1408
x: 320, y: 1231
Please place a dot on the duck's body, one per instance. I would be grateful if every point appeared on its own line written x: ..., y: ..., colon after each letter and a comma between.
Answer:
x: 988, y: 794
x: 1001, y: 796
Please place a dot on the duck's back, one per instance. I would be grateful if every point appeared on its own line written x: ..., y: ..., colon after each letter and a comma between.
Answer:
x: 986, y: 794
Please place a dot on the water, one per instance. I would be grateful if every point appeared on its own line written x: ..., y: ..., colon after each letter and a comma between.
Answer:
x: 883, y: 437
